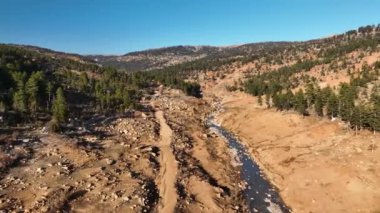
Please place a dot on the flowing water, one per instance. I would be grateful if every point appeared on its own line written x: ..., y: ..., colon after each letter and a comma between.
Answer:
x: 261, y: 196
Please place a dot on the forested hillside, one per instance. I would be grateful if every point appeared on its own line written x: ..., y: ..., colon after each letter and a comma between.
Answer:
x: 335, y: 77
x: 35, y: 86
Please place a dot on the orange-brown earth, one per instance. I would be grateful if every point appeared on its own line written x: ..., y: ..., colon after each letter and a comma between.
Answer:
x: 317, y: 165
x: 160, y: 160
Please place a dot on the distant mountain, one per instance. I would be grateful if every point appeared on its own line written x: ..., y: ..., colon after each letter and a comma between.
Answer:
x: 152, y: 59
x: 162, y: 57
x: 168, y: 56
x: 53, y: 53
x: 156, y: 58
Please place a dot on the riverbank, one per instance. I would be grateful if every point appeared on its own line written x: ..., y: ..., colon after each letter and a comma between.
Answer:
x: 260, y: 195
x: 317, y: 165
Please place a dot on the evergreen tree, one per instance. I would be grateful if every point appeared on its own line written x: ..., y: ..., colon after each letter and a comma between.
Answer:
x: 375, y: 118
x: 49, y: 90
x: 59, y: 107
x: 32, y: 89
x: 19, y: 97
x: 83, y: 81
x: 358, y: 117
x: 332, y: 105
x: 347, y: 95
x: 300, y: 103
x: 19, y: 100
x: 310, y: 94
x: 288, y: 100
x: 318, y: 106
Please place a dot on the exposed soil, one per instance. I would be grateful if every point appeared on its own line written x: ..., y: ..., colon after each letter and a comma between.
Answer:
x: 168, y: 171
x: 162, y: 159
x: 318, y: 165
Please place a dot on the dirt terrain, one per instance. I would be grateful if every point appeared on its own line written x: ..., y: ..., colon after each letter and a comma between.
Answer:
x: 162, y: 159
x: 168, y: 171
x: 317, y: 165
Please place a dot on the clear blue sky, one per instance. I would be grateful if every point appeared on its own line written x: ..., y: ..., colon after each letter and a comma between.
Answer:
x: 120, y: 26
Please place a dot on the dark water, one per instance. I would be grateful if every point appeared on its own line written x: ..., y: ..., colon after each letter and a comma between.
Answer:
x: 260, y: 194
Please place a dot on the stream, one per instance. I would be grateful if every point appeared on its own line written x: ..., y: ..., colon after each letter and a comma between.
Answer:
x: 260, y: 195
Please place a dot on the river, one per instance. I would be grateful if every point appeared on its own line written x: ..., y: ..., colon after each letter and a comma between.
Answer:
x: 261, y: 196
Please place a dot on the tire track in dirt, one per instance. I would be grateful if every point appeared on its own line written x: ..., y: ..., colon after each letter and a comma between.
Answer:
x: 168, y: 171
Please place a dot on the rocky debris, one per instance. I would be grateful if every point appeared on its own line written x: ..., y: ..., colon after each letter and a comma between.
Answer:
x: 186, y: 115
x: 135, y: 129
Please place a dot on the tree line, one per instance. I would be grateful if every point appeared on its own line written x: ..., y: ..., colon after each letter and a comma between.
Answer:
x: 351, y: 101
x: 34, y: 86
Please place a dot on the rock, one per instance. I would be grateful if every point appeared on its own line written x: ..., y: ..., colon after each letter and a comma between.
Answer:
x: 40, y: 170
x: 110, y: 161
x: 115, y: 195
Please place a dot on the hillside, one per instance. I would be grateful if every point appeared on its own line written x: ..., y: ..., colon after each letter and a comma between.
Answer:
x: 320, y: 152
x: 132, y: 132
x: 155, y: 58
x: 169, y: 56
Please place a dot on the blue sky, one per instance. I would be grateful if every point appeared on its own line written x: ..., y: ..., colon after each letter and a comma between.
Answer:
x: 121, y: 26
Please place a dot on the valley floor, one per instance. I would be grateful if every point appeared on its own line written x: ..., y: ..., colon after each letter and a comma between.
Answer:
x: 161, y: 160
x: 317, y: 165
x: 165, y: 159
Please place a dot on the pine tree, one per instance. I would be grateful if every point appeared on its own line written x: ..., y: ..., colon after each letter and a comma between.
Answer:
x: 318, y: 106
x: 83, y: 81
x: 375, y: 118
x: 19, y: 101
x: 347, y: 95
x: 59, y: 107
x: 310, y: 94
x: 32, y: 89
x: 19, y: 97
x: 332, y: 105
x: 288, y: 100
x: 49, y: 90
x: 300, y: 103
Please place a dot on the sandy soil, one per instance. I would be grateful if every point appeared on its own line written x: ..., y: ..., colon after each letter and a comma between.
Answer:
x: 317, y: 165
x: 168, y: 171
x: 206, y: 179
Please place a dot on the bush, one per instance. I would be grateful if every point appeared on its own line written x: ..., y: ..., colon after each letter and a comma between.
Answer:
x: 53, y: 126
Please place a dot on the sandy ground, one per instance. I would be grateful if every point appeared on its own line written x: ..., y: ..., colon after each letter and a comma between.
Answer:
x: 317, y: 165
x: 206, y: 179
x: 168, y: 170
